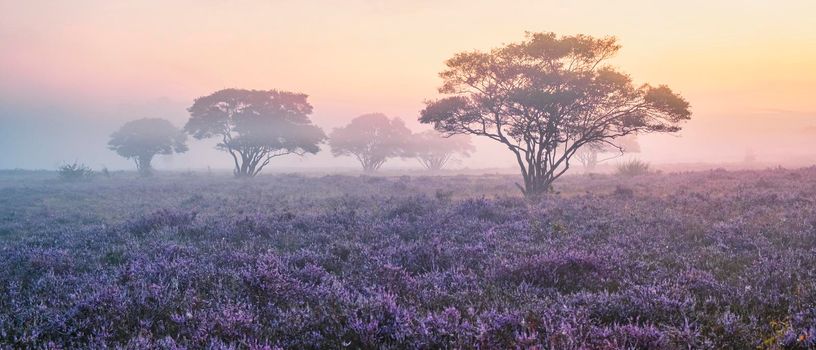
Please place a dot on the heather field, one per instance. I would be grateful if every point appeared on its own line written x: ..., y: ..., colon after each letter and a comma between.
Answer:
x: 701, y: 260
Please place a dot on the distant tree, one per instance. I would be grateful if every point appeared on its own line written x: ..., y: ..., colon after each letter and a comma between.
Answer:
x: 546, y: 97
x: 143, y: 139
x: 434, y: 150
x: 254, y: 126
x: 592, y: 154
x: 372, y: 139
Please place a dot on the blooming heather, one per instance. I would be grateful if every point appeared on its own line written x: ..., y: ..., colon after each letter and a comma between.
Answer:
x: 704, y: 260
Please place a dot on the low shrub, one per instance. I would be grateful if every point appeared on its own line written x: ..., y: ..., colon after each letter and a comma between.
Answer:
x: 75, y: 172
x: 162, y: 218
x: 634, y: 167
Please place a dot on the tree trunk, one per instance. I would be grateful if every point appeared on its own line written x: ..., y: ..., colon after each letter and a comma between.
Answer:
x: 369, y: 168
x: 143, y: 164
x: 370, y: 165
x: 243, y: 171
x: 536, y: 186
x: 538, y: 179
x: 245, y: 168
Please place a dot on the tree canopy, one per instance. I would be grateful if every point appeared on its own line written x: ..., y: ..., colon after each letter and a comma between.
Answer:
x: 434, y: 150
x: 372, y: 139
x: 143, y: 139
x: 254, y: 126
x: 546, y: 97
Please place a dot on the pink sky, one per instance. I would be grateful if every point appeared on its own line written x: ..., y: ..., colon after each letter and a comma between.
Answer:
x: 747, y: 67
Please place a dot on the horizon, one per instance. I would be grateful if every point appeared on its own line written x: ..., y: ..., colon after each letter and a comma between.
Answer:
x: 384, y: 174
x: 77, y: 71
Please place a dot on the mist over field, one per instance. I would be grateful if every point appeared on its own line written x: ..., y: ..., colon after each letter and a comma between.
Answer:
x: 44, y: 137
x: 378, y: 174
x: 75, y: 71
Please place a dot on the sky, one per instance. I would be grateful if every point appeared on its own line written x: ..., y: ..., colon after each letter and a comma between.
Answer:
x: 71, y: 72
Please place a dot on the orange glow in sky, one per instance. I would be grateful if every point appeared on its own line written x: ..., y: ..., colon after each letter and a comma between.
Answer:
x: 747, y: 67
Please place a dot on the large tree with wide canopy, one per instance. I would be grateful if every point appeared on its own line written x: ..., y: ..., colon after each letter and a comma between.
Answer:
x: 546, y: 97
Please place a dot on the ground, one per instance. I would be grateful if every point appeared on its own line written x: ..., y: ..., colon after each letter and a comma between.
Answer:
x: 712, y: 259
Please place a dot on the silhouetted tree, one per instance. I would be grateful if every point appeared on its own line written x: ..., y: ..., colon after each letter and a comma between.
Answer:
x: 546, y: 97
x: 143, y: 139
x: 591, y: 154
x: 255, y: 126
x: 372, y: 139
x: 434, y: 150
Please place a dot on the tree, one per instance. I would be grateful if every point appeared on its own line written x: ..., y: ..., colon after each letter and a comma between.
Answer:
x: 372, y: 139
x: 433, y: 150
x: 254, y: 126
x: 143, y: 139
x: 588, y: 155
x: 546, y: 97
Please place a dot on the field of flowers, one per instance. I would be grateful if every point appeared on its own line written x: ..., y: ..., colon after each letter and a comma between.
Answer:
x: 703, y: 260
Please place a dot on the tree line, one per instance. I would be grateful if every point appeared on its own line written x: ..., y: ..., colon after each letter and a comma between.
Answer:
x: 254, y: 134
x: 548, y: 99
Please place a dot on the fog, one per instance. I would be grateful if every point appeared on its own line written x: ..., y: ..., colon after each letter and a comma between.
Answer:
x: 48, y: 135
x: 73, y: 74
x: 491, y: 174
